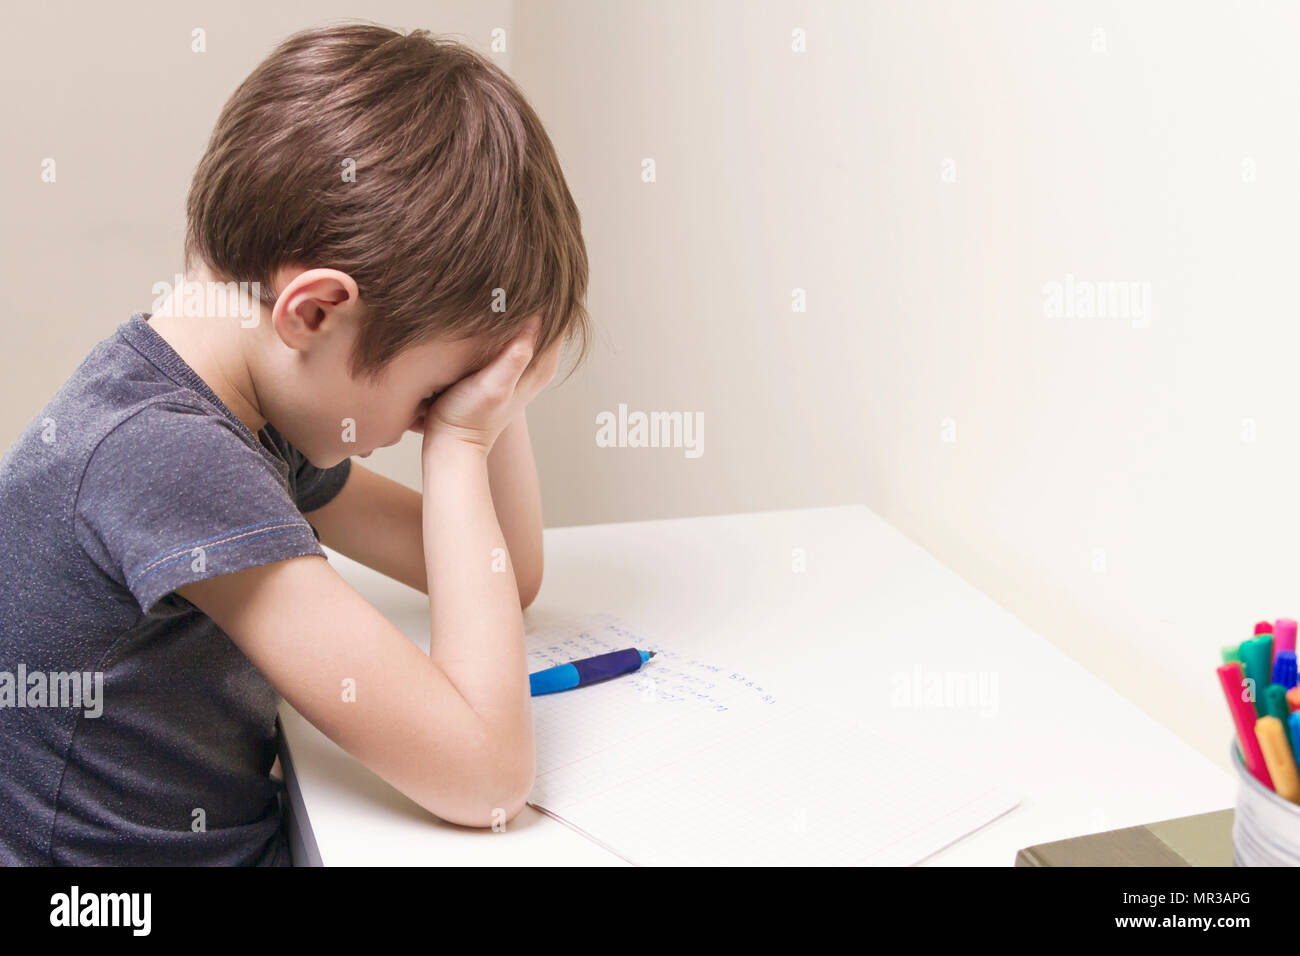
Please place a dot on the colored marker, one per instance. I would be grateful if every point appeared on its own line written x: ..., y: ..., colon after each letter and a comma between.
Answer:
x: 1293, y: 699
x: 1284, y: 669
x: 1243, y: 717
x: 1275, y: 706
x: 1257, y: 663
x: 1283, y: 636
x: 1263, y: 627
x: 1278, y: 757
x: 589, y: 670
x: 1231, y: 653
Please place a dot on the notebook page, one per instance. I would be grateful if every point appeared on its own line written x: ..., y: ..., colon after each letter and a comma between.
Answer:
x: 688, y: 762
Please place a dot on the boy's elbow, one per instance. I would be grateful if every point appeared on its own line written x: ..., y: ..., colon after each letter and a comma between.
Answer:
x: 515, y: 805
x: 527, y: 595
x: 517, y: 785
x: 492, y: 800
x: 528, y: 589
x: 493, y: 811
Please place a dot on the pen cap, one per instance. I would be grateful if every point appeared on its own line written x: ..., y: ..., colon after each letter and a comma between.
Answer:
x: 1263, y: 627
x: 592, y: 670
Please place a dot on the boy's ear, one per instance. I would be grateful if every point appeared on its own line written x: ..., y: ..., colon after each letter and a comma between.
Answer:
x: 312, y: 301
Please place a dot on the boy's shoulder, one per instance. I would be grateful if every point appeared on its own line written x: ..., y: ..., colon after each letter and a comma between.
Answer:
x: 123, y: 381
x: 138, y: 465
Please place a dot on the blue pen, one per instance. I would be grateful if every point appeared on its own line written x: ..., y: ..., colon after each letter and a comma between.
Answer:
x: 587, y: 671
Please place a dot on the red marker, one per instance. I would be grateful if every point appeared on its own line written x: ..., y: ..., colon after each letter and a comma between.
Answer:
x: 1263, y: 627
x: 1243, y: 716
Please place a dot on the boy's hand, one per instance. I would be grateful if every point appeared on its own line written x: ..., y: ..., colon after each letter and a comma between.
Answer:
x: 478, y: 408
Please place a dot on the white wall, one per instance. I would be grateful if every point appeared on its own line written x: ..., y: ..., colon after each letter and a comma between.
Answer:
x: 823, y: 171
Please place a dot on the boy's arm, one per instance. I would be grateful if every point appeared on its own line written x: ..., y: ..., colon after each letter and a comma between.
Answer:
x: 453, y: 730
x: 518, y: 500
x: 376, y: 521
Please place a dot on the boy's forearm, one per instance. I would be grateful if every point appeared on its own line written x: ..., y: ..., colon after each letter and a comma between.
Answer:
x: 377, y: 521
x: 517, y: 496
x: 477, y: 633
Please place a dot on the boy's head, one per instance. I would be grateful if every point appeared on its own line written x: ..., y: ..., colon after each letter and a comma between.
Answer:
x: 403, y: 212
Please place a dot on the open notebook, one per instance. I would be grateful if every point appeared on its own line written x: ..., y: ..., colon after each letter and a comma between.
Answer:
x: 687, y: 762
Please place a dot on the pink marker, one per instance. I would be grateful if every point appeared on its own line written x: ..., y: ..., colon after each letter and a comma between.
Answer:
x: 1263, y: 627
x: 1283, y: 637
x: 1243, y: 716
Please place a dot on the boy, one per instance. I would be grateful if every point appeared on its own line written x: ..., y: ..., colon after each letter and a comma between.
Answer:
x: 415, y: 262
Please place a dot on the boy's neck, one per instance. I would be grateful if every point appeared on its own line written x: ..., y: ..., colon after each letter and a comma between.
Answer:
x: 214, y: 346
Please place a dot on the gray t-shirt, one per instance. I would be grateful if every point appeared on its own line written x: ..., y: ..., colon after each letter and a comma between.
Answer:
x: 134, y: 480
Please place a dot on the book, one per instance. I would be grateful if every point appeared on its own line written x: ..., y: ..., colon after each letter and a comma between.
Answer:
x: 1201, y: 840
x: 687, y: 762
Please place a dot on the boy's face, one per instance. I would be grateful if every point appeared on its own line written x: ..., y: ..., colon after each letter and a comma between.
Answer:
x: 330, y: 415
x: 304, y: 385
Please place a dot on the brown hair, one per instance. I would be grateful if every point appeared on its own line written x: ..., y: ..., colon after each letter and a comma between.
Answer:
x: 457, y: 192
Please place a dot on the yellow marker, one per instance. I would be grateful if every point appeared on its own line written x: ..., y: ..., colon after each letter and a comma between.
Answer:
x: 1277, y: 757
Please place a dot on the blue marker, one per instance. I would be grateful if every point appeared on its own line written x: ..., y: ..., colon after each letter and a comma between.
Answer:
x: 587, y: 671
x: 1284, y: 669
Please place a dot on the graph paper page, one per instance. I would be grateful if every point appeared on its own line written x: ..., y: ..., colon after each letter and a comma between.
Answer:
x: 688, y: 762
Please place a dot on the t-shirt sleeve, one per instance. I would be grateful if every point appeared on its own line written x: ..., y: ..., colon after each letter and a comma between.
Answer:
x: 174, y: 495
x: 311, y: 487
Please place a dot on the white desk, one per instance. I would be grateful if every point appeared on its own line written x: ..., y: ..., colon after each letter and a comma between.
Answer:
x: 869, y: 611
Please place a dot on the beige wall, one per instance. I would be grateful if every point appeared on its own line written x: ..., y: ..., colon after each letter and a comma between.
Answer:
x: 1124, y: 486
x: 115, y: 96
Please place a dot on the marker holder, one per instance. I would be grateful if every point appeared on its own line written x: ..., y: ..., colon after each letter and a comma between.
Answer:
x: 1265, y: 827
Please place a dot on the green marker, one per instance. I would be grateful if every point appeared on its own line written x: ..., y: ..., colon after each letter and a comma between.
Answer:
x: 1275, y: 706
x: 1231, y: 653
x: 1257, y: 663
